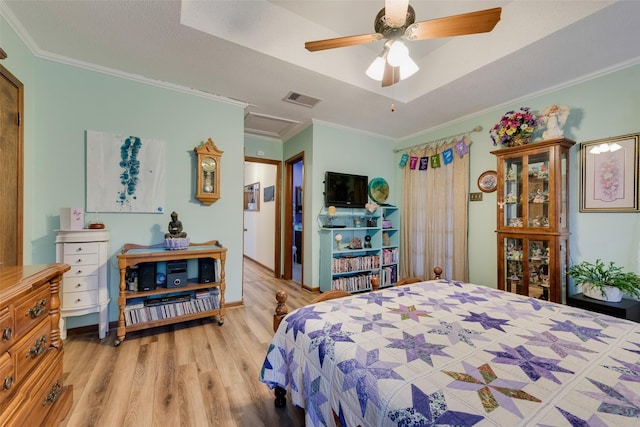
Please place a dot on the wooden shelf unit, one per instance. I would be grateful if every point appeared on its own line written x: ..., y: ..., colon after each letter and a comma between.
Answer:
x: 349, y: 269
x: 133, y: 254
x: 533, y: 218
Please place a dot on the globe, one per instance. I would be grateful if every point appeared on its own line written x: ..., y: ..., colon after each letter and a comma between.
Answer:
x: 379, y: 190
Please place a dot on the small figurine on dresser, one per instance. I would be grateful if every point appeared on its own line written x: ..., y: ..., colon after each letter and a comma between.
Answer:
x: 175, y: 238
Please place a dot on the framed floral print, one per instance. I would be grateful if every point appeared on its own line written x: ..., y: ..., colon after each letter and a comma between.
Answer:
x: 488, y: 181
x: 609, y: 175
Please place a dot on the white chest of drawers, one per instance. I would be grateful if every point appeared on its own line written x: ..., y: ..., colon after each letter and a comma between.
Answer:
x: 85, y: 287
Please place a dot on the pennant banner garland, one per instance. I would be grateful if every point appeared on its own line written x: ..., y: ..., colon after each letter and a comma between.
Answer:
x: 447, y: 156
x: 403, y: 160
x: 435, y: 161
x: 461, y: 147
x: 424, y: 162
x: 413, y: 161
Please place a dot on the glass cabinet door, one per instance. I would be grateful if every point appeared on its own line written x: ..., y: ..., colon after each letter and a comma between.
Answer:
x: 513, y: 192
x: 538, y: 190
x: 514, y: 263
x: 539, y: 253
x: 526, y: 266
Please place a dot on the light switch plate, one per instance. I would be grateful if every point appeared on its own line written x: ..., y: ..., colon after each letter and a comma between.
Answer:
x: 475, y: 197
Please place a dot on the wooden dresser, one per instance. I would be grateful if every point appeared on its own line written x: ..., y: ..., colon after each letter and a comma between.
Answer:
x: 31, y: 387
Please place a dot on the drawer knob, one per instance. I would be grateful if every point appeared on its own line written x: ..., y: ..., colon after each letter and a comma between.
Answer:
x: 8, y: 382
x: 79, y: 261
x: 53, y: 396
x: 7, y: 333
x: 38, y: 348
x: 79, y: 272
x: 37, y: 309
x: 79, y: 249
x: 78, y: 300
x: 79, y: 285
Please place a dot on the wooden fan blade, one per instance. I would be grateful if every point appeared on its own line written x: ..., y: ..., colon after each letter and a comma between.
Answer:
x: 481, y: 21
x: 395, y: 12
x: 391, y: 75
x: 342, y: 42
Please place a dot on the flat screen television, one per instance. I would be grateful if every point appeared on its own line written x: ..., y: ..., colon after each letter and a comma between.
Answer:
x: 344, y: 190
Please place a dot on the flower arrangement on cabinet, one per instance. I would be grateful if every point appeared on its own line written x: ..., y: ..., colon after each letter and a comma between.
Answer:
x: 515, y: 127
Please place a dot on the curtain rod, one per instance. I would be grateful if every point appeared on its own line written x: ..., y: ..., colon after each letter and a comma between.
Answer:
x: 435, y: 141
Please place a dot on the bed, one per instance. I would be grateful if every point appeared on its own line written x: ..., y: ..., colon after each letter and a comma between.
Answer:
x: 442, y: 352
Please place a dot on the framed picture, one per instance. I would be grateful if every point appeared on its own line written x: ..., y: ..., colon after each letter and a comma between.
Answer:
x: 269, y: 193
x: 609, y: 175
x: 252, y: 197
x: 488, y: 181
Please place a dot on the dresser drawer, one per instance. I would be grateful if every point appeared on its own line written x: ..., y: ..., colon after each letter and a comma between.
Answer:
x: 7, y: 375
x: 30, y: 350
x: 80, y: 259
x: 42, y: 397
x: 30, y: 311
x: 72, y: 300
x: 79, y: 284
x: 82, y: 270
x: 80, y: 248
x: 7, y: 328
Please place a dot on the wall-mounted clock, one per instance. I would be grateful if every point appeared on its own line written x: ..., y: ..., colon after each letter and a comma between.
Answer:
x: 208, y: 172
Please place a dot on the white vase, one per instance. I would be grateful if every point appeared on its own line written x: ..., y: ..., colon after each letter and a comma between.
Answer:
x: 611, y: 294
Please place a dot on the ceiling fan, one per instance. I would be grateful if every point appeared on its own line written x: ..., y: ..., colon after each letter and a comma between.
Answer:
x: 396, y: 23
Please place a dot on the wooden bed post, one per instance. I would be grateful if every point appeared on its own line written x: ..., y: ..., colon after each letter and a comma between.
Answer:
x: 281, y: 311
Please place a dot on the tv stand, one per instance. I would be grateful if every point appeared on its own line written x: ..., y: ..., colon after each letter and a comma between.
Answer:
x: 133, y: 254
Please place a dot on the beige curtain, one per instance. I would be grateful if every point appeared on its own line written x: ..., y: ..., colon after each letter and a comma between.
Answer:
x: 434, y: 217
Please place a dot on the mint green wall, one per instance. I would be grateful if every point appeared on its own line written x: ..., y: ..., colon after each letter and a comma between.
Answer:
x: 20, y: 62
x: 602, y: 107
x: 338, y: 149
x: 62, y: 102
x: 71, y: 100
x: 270, y: 148
x: 302, y: 142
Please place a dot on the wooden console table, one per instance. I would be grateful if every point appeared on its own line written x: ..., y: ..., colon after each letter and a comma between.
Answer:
x: 133, y: 254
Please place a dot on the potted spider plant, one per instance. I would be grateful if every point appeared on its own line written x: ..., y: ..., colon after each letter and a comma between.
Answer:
x: 605, y: 282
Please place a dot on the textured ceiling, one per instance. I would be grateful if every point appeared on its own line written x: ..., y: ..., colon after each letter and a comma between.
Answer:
x: 253, y: 51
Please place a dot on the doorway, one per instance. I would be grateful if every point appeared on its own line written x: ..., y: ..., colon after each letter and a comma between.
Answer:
x: 262, y: 212
x: 294, y: 219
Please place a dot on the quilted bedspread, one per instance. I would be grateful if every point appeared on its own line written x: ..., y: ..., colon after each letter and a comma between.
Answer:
x: 456, y: 354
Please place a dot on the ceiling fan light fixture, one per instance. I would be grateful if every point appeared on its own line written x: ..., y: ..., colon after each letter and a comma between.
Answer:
x: 376, y: 69
x: 398, y: 53
x: 408, y: 68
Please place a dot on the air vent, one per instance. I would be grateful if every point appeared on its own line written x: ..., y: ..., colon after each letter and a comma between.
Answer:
x: 300, y: 99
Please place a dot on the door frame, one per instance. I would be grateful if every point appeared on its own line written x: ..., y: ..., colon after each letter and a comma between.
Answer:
x: 288, y: 219
x: 277, y: 252
x: 18, y: 202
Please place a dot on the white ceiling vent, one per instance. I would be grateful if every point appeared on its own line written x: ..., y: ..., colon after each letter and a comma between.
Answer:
x: 300, y: 99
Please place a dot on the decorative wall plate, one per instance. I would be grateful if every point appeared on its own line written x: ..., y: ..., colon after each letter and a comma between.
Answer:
x: 379, y: 190
x: 488, y: 181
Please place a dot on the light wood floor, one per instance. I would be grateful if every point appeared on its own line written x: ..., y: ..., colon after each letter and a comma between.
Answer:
x: 192, y: 374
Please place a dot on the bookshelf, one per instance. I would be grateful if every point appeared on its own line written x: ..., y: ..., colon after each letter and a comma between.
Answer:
x: 356, y: 245
x: 162, y: 306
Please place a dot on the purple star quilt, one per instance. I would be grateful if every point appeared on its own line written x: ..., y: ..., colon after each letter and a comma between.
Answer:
x: 442, y: 353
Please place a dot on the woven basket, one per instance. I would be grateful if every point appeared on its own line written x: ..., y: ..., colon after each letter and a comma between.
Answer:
x: 519, y: 140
